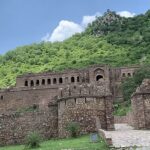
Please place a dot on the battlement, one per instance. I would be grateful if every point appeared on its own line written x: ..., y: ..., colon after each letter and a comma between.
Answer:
x: 85, y: 90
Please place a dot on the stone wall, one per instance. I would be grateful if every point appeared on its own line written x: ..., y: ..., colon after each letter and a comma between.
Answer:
x: 15, y: 127
x: 83, y: 96
x: 15, y: 99
x: 128, y: 119
x: 141, y: 106
x: 91, y: 103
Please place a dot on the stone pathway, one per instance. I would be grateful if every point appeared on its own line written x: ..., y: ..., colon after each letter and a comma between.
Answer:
x: 125, y: 136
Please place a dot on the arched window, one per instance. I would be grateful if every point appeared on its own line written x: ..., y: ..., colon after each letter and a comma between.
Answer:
x: 123, y: 75
x: 54, y: 81
x: 78, y: 79
x: 60, y: 80
x: 48, y: 81
x: 26, y: 83
x: 129, y: 74
x: 2, y: 97
x: 32, y: 83
x: 43, y: 81
x: 37, y: 82
x: 98, y: 77
x: 72, y: 79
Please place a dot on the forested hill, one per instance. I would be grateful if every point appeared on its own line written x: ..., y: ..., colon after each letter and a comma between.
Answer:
x: 110, y: 39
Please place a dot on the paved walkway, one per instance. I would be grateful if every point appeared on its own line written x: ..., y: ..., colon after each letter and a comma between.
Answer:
x: 125, y: 136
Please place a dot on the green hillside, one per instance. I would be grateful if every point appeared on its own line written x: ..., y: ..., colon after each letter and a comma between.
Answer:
x: 110, y: 39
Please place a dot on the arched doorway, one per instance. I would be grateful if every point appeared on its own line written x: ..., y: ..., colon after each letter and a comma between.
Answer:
x: 98, y: 77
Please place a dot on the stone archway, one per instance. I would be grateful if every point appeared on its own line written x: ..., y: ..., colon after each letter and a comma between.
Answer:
x: 98, y: 77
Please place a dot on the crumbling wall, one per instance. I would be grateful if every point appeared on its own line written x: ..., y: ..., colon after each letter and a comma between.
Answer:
x: 84, y: 96
x: 15, y: 127
x: 141, y: 106
x: 90, y: 102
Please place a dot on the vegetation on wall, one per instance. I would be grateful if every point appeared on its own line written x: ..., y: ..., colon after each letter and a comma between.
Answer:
x: 111, y: 39
x: 129, y: 87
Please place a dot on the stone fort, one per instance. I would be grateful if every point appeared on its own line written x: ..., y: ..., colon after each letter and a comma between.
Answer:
x: 47, y: 102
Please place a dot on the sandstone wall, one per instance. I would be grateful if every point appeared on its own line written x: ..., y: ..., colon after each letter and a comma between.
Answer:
x: 15, y: 127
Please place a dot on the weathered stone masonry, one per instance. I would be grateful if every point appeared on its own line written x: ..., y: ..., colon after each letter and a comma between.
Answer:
x: 83, y: 104
x: 141, y: 106
x: 15, y: 127
x: 57, y: 98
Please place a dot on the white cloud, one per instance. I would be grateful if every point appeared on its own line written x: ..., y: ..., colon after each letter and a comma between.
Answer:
x: 89, y: 19
x: 126, y: 14
x: 66, y: 29
x: 46, y: 37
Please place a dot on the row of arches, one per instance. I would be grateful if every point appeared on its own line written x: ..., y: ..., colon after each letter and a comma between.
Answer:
x: 127, y: 74
x: 51, y: 81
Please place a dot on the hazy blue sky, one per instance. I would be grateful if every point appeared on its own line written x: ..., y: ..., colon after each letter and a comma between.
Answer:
x: 27, y: 21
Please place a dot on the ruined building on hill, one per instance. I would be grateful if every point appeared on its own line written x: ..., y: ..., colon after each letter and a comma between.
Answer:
x: 47, y: 102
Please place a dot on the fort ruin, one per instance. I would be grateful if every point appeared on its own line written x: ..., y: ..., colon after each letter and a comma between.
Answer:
x: 46, y: 102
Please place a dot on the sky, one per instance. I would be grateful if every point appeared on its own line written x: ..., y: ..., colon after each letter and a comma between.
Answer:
x: 24, y: 22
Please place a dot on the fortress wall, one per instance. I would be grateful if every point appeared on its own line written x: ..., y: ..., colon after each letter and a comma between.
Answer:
x: 15, y: 127
x: 85, y: 111
x: 18, y: 100
x: 84, y: 96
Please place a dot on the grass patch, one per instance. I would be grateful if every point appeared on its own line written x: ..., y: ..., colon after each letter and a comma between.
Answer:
x: 121, y: 109
x: 80, y: 143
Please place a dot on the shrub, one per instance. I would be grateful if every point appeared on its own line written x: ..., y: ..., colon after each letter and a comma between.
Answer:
x: 33, y: 140
x: 73, y: 128
x: 121, y: 109
x: 129, y: 86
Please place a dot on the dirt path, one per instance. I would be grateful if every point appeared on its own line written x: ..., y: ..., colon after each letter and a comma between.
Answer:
x: 125, y: 136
